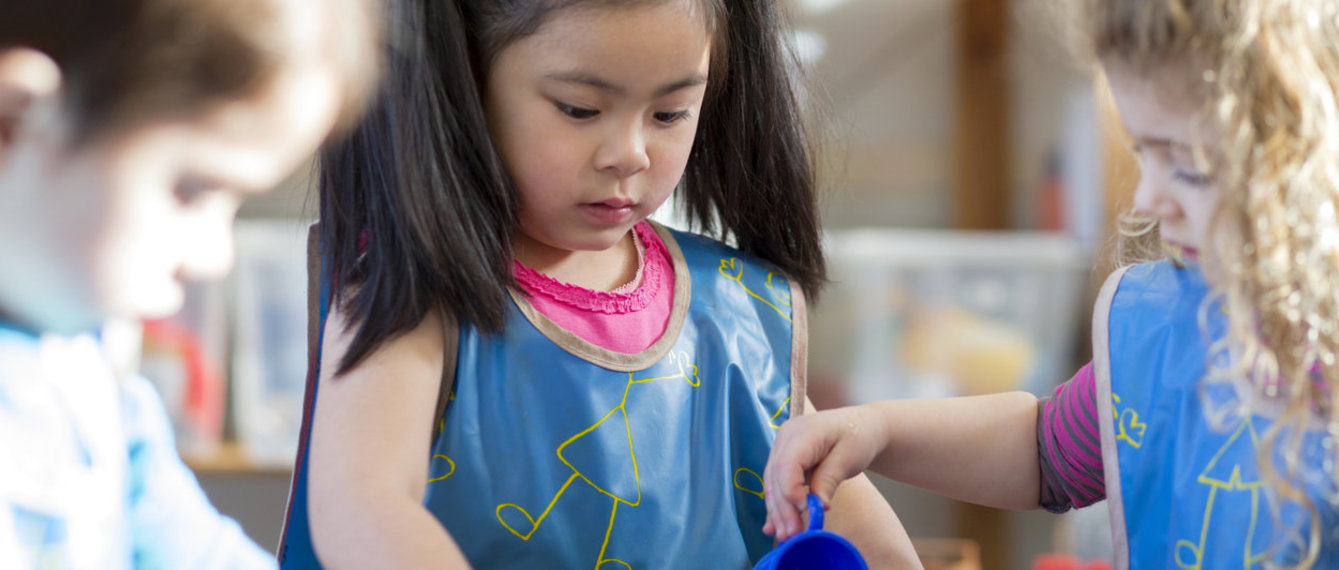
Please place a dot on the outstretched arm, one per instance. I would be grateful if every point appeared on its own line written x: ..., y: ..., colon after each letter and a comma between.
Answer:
x: 980, y: 449
x: 370, y: 451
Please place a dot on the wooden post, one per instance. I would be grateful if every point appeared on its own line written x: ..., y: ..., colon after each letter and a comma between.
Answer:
x: 982, y: 132
x: 982, y: 194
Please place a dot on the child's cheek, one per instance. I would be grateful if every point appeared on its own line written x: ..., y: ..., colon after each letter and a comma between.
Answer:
x: 140, y: 257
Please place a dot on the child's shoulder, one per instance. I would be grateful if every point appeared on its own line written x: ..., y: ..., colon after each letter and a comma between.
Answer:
x: 694, y: 244
x: 1162, y: 274
x: 687, y: 239
x: 1163, y: 293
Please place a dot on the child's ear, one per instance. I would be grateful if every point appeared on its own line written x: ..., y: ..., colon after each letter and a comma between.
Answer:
x: 28, y: 78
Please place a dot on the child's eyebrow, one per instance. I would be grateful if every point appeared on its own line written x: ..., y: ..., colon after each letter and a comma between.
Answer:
x: 1154, y: 143
x: 593, y: 80
x: 1166, y: 145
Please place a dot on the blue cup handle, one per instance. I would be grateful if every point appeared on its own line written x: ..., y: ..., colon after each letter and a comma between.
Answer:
x: 814, y: 548
x: 815, y: 512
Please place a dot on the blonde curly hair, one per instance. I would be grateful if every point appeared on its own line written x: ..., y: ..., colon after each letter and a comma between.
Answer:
x: 1267, y: 72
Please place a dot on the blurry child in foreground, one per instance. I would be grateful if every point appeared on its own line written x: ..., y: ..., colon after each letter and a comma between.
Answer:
x: 129, y: 131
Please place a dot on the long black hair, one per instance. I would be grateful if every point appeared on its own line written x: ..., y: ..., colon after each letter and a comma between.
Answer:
x: 417, y: 211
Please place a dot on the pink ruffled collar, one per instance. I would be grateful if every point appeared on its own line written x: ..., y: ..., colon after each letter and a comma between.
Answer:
x: 651, y: 269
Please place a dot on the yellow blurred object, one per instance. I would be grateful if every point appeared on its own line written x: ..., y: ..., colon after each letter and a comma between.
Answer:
x: 980, y: 355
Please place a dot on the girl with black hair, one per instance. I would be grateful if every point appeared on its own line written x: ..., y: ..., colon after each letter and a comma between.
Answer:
x: 519, y: 369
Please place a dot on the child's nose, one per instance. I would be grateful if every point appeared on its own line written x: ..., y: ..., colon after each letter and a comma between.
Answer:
x: 1151, y: 198
x: 624, y: 152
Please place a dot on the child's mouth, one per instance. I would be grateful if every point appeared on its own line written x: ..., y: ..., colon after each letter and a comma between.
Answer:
x: 1186, y: 252
x: 611, y: 212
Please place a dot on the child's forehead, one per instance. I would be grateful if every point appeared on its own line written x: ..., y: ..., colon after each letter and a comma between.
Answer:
x: 1171, y: 84
x: 622, y: 45
x: 1184, y: 152
x: 586, y: 15
x: 1157, y: 106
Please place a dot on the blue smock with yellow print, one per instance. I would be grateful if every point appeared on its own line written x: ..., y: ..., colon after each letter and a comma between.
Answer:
x: 1185, y: 493
x: 557, y: 453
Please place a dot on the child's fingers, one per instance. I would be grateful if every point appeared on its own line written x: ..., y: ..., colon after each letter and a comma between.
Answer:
x: 826, y: 477
x: 847, y: 458
x: 774, y: 525
x: 813, y: 454
x: 800, y: 444
x: 782, y: 517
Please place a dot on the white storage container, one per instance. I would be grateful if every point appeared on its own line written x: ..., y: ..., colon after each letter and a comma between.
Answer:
x: 915, y: 313
x: 269, y: 358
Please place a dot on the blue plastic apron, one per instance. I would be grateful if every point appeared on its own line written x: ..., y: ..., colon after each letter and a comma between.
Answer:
x: 556, y: 453
x: 1183, y: 493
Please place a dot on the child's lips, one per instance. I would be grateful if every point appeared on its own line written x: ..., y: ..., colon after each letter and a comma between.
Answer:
x: 612, y: 212
x: 616, y: 203
x: 1185, y: 250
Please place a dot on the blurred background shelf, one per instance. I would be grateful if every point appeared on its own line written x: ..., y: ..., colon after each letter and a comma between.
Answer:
x: 232, y: 459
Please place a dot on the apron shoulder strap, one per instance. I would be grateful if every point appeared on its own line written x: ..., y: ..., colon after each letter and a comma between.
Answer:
x: 450, y: 347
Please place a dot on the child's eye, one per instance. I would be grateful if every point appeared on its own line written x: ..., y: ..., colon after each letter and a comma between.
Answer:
x: 574, y: 112
x: 1197, y: 179
x: 671, y: 117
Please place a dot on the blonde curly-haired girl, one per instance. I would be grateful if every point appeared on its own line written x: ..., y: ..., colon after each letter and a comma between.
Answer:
x: 1207, y: 415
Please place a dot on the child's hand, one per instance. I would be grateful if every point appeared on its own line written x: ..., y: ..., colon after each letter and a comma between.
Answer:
x: 829, y: 447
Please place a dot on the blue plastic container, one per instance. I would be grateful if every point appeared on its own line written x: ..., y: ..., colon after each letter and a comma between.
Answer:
x: 814, y: 548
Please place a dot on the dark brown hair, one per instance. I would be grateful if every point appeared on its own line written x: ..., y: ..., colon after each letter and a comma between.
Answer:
x: 127, y: 61
x: 421, y: 176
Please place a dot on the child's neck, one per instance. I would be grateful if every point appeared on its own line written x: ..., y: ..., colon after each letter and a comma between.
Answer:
x: 604, y: 270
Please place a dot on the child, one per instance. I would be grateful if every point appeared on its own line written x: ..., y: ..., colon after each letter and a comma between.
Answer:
x: 519, y: 370
x: 1207, y: 415
x: 129, y: 130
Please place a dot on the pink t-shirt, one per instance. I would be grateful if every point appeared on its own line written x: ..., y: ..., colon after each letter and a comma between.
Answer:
x: 628, y: 319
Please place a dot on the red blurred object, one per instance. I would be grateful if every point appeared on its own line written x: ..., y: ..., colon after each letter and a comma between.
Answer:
x: 1052, y: 198
x: 202, y: 396
x: 1067, y: 562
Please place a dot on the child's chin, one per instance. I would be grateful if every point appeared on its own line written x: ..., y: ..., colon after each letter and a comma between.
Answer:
x: 165, y: 303
x: 601, y: 241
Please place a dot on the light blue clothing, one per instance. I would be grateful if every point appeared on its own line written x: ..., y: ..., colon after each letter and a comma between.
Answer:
x: 556, y: 453
x: 1184, y: 493
x: 89, y: 474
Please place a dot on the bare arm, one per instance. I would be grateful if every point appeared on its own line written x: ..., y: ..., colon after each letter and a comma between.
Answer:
x: 980, y: 449
x: 369, y: 454
x: 860, y: 513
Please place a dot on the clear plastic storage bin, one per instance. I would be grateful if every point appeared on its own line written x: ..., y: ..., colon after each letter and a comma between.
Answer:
x: 914, y: 313
x: 269, y: 358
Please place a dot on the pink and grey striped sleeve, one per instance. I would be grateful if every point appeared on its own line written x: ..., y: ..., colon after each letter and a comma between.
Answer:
x: 1069, y: 445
